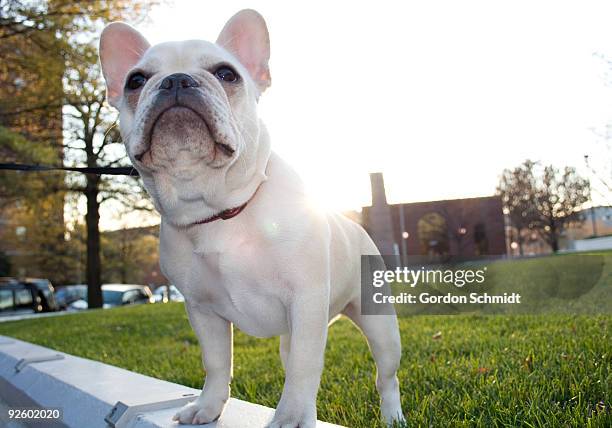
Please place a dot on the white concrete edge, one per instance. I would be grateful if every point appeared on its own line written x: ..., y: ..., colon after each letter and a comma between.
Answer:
x: 19, y: 317
x: 89, y: 391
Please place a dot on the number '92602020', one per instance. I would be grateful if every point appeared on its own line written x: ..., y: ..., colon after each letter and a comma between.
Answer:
x: 34, y: 413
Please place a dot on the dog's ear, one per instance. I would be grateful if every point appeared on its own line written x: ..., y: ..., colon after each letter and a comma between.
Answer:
x: 246, y: 36
x: 121, y: 47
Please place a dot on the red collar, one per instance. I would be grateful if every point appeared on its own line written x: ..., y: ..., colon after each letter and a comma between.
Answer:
x: 228, y: 213
x: 224, y: 215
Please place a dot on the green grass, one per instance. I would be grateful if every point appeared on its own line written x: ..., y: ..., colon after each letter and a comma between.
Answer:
x: 482, y: 370
x: 576, y: 283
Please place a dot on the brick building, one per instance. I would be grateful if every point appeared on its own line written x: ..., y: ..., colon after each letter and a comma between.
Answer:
x: 461, y: 227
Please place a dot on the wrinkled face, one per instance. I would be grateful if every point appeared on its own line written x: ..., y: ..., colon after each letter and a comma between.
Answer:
x: 189, y: 108
x: 188, y: 114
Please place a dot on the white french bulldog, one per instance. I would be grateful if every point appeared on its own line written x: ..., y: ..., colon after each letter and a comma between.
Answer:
x: 238, y: 236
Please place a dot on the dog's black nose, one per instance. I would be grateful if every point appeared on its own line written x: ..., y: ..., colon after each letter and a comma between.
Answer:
x: 178, y: 81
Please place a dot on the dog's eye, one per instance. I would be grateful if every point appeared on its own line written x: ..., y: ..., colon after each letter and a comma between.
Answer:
x: 226, y: 74
x: 135, y: 81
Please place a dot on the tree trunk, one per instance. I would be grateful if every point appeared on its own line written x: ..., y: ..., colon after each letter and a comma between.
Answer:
x: 554, y: 242
x: 519, y: 239
x: 92, y: 218
x: 124, y: 256
x: 554, y: 239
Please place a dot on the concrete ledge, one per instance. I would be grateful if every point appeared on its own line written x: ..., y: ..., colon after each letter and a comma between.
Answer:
x: 9, y: 318
x: 89, y: 391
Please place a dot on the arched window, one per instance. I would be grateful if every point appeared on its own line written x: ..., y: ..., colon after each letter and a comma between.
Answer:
x: 433, y: 234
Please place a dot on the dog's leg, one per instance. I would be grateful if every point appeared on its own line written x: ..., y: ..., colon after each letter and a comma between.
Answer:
x: 308, y: 316
x: 383, y: 337
x: 285, y: 344
x: 215, y: 336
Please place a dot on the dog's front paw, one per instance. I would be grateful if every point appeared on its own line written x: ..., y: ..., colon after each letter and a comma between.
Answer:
x: 294, y: 418
x: 394, y: 417
x: 292, y: 423
x: 200, y: 411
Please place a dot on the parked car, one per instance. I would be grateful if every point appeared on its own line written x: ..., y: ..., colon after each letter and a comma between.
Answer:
x: 30, y: 295
x: 68, y: 294
x: 117, y: 295
x: 46, y: 292
x: 161, y: 294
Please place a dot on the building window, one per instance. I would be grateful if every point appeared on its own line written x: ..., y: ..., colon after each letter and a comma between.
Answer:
x: 433, y: 234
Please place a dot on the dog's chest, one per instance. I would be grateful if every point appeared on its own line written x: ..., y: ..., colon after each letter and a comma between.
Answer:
x: 229, y: 278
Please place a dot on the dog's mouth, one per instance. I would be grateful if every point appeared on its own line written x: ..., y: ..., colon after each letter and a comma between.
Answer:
x: 187, y: 128
x: 224, y: 148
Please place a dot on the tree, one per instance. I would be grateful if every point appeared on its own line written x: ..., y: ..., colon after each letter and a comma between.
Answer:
x: 46, y: 74
x: 31, y: 208
x: 517, y: 188
x: 558, y: 197
x: 130, y: 256
x: 92, y: 139
x: 544, y: 200
x: 31, y: 117
x: 599, y: 161
x: 14, y: 147
x: 36, y: 40
x: 38, y: 247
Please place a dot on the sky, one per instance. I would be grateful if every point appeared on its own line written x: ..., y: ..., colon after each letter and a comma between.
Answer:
x: 440, y: 96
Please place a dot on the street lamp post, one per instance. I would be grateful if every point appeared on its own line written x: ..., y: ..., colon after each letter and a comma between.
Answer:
x: 404, y: 235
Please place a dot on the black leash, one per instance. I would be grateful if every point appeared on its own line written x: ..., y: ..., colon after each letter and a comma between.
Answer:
x: 122, y: 170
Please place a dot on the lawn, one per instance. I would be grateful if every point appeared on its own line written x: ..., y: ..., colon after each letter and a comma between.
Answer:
x: 574, y: 283
x: 462, y: 370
